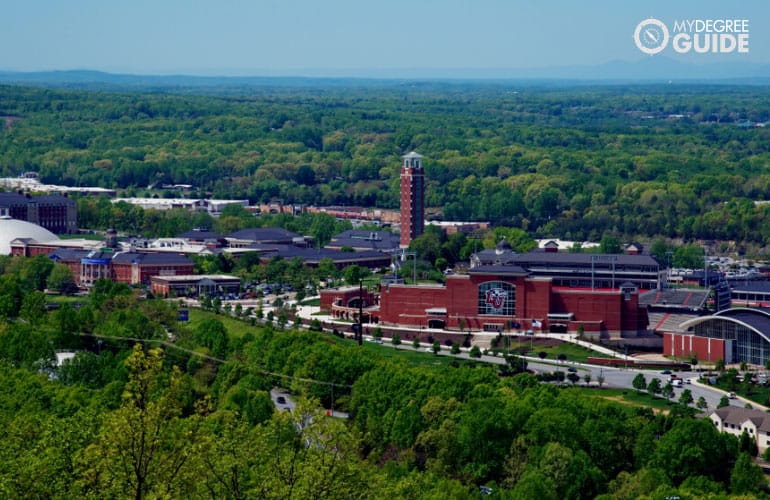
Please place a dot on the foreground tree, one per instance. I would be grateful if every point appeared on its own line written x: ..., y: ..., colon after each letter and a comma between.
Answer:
x: 145, y: 448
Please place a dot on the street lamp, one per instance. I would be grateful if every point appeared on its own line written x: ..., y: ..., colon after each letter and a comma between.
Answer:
x: 360, y: 333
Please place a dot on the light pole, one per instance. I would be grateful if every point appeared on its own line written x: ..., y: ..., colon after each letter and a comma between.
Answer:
x: 360, y: 312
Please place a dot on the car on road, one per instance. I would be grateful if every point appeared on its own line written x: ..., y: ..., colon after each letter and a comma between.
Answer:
x: 731, y: 395
x: 666, y: 372
x: 572, y: 369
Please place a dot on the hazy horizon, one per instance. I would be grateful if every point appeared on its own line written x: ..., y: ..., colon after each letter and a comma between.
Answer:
x: 347, y: 37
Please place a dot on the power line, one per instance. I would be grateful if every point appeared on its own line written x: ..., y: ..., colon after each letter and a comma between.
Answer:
x: 214, y: 359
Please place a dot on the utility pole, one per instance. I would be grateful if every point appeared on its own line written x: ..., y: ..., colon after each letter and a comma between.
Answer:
x: 360, y: 312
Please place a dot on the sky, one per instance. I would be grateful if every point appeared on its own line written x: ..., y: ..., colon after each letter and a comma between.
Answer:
x: 348, y: 37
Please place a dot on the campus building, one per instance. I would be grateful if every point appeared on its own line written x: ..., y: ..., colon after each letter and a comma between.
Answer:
x: 502, y: 299
x: 412, y: 198
x: 200, y: 285
x: 54, y: 212
x: 135, y: 268
x: 733, y: 335
x: 736, y: 420
x: 578, y: 270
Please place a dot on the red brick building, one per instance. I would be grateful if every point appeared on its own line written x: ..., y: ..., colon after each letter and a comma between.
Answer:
x: 343, y: 302
x: 412, y: 198
x: 733, y: 335
x: 506, y: 298
x: 136, y: 268
x: 499, y: 298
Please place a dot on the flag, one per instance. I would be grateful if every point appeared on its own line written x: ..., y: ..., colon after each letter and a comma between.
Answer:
x: 536, y: 324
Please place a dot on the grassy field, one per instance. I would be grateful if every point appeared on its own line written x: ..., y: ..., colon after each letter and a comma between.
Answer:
x: 415, y: 357
x: 533, y: 346
x: 237, y: 328
x: 630, y: 397
x: 65, y: 299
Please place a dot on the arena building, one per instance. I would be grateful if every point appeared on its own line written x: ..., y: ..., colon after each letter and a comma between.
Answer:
x: 501, y: 298
x: 733, y: 335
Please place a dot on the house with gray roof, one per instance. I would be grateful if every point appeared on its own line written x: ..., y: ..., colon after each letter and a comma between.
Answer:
x: 736, y: 420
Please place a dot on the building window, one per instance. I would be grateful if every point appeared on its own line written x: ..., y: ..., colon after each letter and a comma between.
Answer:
x: 497, y: 298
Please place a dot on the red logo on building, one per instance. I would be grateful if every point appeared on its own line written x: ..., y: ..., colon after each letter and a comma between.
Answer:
x: 496, y: 298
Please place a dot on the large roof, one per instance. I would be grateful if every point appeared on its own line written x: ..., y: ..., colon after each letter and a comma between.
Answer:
x: 756, y: 318
x: 264, y: 235
x: 500, y: 256
x: 371, y: 240
x: 149, y: 259
x: 11, y: 229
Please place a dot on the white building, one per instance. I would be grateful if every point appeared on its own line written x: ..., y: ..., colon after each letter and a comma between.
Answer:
x: 735, y: 420
x: 214, y: 207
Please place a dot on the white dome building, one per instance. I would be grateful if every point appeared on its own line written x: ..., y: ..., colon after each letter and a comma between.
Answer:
x: 11, y: 229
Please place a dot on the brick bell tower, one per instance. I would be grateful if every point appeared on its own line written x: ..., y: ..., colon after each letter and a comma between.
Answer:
x: 412, y: 198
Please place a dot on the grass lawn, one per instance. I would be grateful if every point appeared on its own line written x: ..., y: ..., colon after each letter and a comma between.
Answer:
x: 311, y: 302
x: 631, y: 397
x: 532, y: 346
x: 65, y: 299
x: 237, y: 328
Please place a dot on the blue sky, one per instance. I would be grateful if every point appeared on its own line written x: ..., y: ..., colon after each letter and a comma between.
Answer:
x: 344, y: 37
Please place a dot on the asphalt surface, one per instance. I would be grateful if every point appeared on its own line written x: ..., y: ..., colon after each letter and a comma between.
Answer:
x: 617, y: 378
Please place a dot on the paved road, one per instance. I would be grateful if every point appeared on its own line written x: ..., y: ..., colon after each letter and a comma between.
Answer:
x: 619, y: 378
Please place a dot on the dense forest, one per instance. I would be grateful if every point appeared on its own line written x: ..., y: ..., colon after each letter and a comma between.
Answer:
x: 675, y: 161
x: 184, y: 411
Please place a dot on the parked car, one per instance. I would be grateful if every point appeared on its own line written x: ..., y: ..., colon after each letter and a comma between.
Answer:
x: 281, y: 400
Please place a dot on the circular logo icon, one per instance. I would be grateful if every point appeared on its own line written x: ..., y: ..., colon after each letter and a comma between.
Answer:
x: 651, y: 36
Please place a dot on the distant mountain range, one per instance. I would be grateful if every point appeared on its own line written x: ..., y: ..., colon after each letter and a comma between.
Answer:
x: 647, y: 70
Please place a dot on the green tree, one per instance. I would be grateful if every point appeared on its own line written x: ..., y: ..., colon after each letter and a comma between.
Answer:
x: 668, y: 390
x: 694, y: 447
x: 686, y: 399
x: 701, y: 404
x: 436, y: 347
x: 455, y: 348
x: 416, y: 343
x: 587, y: 378
x: 654, y: 386
x: 212, y: 334
x: 145, y: 448
x: 33, y: 309
x: 475, y: 352
x: 62, y: 279
x: 724, y: 401
x: 395, y: 339
x: 689, y: 257
x: 639, y: 383
x: 610, y: 244
x: 10, y: 296
x: 354, y: 274
x: 322, y: 229
x: 600, y: 380
x: 746, y: 477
